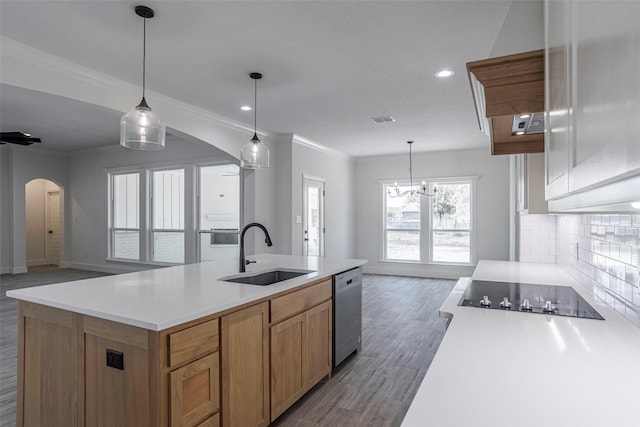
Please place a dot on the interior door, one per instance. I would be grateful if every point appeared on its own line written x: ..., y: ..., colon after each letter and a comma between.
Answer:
x: 54, y: 235
x: 313, y: 229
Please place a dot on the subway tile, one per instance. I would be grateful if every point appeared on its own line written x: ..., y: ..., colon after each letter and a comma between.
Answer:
x: 614, y: 219
x: 626, y: 291
x: 632, y: 275
x: 635, y: 220
x: 625, y: 220
x: 620, y: 307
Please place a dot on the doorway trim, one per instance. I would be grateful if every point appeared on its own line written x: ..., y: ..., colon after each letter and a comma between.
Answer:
x: 320, y: 183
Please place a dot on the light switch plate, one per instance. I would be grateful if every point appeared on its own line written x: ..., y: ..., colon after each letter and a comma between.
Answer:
x: 298, y: 219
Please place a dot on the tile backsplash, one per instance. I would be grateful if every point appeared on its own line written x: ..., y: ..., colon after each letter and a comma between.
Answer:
x: 537, y: 241
x: 602, y: 251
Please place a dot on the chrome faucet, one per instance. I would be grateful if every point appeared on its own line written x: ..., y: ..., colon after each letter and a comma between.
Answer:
x: 244, y: 262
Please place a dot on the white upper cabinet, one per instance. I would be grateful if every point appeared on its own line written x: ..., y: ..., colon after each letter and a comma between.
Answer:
x: 592, y: 85
x: 557, y: 96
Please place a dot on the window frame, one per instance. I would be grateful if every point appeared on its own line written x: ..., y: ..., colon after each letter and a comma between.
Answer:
x: 151, y: 208
x: 385, y: 229
x: 426, y: 229
x: 472, y: 220
x: 111, y: 229
x: 191, y: 207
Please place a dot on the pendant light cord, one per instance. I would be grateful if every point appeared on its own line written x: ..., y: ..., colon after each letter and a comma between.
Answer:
x: 144, y: 53
x: 255, y: 106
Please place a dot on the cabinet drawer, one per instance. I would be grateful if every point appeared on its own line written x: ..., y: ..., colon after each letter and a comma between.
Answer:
x: 193, y: 342
x: 195, y: 391
x: 299, y: 301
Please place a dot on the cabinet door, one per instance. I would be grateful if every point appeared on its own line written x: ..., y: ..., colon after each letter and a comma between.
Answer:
x: 244, y: 352
x: 288, y: 370
x: 195, y: 391
x: 558, y: 114
x: 606, y: 92
x: 318, y: 342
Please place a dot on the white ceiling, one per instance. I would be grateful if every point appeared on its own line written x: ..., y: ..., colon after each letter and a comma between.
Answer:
x: 329, y: 66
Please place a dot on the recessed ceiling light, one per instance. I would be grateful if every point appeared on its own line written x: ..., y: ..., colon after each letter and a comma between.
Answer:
x: 525, y: 116
x: 635, y: 205
x: 444, y: 73
x: 520, y: 133
x: 245, y: 108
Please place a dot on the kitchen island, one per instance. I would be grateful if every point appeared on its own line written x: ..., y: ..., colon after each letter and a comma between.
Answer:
x: 175, y: 346
x: 504, y: 368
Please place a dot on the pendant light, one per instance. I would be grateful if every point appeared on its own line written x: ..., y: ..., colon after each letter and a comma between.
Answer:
x: 140, y: 128
x: 412, y: 192
x: 254, y: 154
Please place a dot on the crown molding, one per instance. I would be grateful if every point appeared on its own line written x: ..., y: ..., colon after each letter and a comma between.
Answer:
x: 297, y: 139
x: 34, y: 149
x: 14, y: 49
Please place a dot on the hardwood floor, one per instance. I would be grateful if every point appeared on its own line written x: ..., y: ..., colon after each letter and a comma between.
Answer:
x: 37, y: 276
x: 401, y: 333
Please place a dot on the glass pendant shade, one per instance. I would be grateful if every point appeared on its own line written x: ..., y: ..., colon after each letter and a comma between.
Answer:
x: 141, y: 129
x: 254, y: 154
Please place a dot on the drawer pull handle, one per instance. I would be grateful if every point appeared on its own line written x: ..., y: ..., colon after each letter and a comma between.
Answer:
x: 349, y: 281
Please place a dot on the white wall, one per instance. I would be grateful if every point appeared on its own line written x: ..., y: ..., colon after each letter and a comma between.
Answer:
x: 339, y: 172
x: 6, y: 236
x: 492, y: 226
x: 26, y: 164
x: 522, y: 29
x: 88, y: 207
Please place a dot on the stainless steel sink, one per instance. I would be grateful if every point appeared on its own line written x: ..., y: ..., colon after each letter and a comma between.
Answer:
x: 266, y: 277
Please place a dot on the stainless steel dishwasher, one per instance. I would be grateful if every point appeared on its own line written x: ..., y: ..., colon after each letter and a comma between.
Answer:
x: 347, y: 314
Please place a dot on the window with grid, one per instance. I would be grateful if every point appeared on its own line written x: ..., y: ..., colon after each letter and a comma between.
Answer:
x: 125, y: 216
x: 167, y: 232
x: 435, y: 229
x: 402, y: 225
x: 451, y: 222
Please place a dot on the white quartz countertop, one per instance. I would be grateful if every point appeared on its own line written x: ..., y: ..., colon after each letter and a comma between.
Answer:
x: 165, y: 297
x: 509, y: 368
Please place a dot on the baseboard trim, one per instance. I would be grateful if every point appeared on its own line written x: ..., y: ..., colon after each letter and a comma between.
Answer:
x: 37, y: 262
x: 18, y: 270
x: 5, y: 270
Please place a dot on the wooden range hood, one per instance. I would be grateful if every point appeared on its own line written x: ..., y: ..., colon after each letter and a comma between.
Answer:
x: 503, y: 87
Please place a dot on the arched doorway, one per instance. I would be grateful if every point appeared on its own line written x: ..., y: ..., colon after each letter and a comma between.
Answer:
x: 43, y: 222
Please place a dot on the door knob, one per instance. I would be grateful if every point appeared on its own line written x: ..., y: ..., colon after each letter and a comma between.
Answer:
x: 50, y: 231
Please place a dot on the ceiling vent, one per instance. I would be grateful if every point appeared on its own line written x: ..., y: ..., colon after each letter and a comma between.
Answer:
x: 383, y: 119
x: 20, y: 138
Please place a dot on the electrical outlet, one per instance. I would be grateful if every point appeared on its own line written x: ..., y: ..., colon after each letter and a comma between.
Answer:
x: 115, y: 359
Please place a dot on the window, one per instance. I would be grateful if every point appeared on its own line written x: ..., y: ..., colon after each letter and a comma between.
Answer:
x: 436, y: 229
x: 125, y: 214
x: 451, y: 223
x: 168, y: 216
x: 174, y: 213
x: 401, y: 226
x: 219, y: 212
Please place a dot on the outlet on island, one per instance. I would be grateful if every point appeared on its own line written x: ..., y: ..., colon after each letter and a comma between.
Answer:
x: 115, y: 359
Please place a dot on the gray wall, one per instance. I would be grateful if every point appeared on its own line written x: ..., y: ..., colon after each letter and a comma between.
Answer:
x: 492, y: 216
x: 339, y: 172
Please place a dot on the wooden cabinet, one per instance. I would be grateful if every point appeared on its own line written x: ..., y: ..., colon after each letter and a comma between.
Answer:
x: 593, y: 155
x: 503, y: 87
x: 245, y: 367
x: 288, y: 356
x: 195, y: 391
x: 300, y: 345
x: 236, y: 370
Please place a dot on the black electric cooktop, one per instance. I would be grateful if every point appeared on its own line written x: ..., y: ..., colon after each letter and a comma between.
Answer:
x: 542, y: 299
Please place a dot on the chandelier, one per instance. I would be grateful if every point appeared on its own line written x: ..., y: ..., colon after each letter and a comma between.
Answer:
x: 412, y: 192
